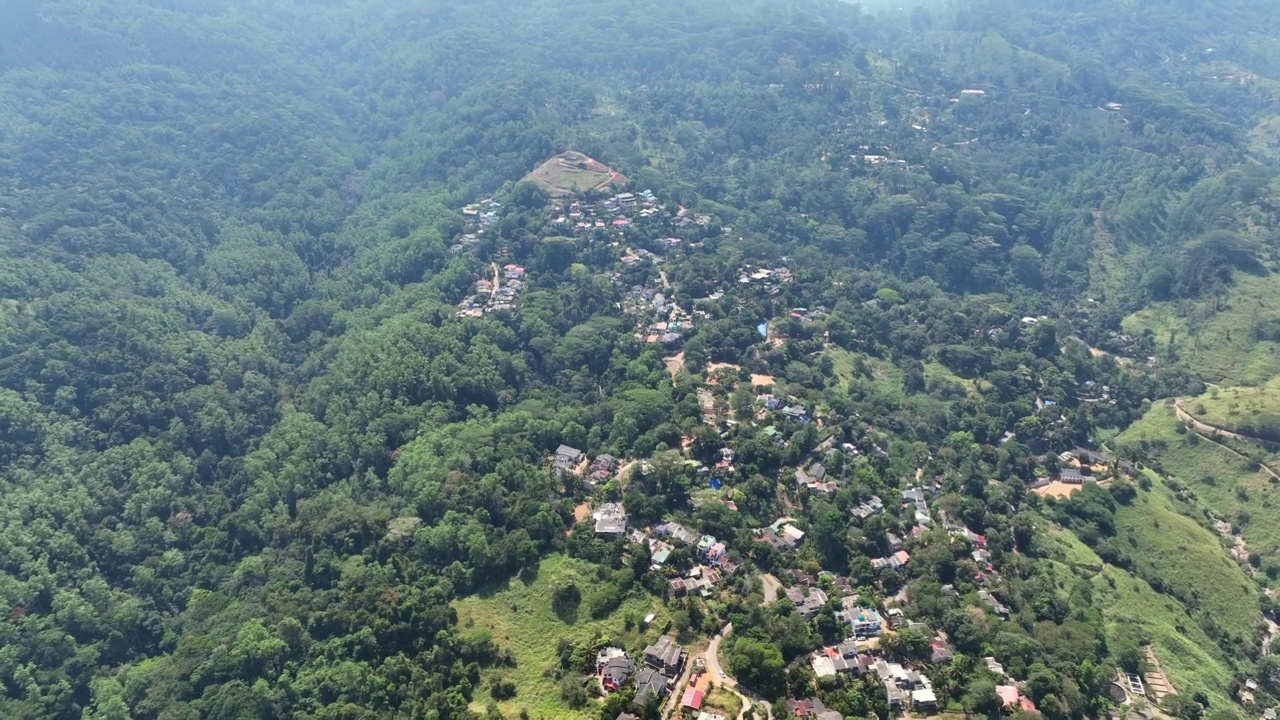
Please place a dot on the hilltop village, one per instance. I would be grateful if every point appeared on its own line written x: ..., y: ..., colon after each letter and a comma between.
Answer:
x: 764, y: 441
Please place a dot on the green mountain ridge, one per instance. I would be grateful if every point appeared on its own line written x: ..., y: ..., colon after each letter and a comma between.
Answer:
x: 279, y: 419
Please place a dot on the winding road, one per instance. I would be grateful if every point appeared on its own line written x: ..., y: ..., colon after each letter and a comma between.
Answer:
x: 771, y: 588
x: 1208, y: 429
x: 727, y: 681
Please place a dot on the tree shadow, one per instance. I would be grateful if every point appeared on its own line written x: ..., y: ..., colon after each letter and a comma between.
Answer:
x: 567, y: 611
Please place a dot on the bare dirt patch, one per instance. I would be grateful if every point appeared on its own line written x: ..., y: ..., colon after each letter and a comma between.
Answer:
x: 758, y: 380
x: 572, y: 172
x: 1057, y: 489
x: 579, y: 514
x: 675, y: 363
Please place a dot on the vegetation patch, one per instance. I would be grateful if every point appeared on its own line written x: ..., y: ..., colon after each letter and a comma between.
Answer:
x: 1212, y: 476
x: 522, y: 619
x: 1225, y: 338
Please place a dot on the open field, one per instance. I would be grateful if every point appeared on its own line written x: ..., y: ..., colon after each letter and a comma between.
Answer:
x: 1238, y: 409
x: 1218, y: 479
x: 521, y: 620
x: 1129, y: 604
x: 1057, y: 489
x: 1191, y: 564
x: 572, y: 172
x: 884, y: 375
x: 1221, y: 344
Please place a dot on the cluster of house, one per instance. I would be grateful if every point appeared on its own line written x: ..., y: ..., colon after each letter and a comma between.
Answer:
x: 572, y: 461
x: 1011, y: 696
x: 617, y: 212
x: 569, y: 460
x: 601, y: 470
x: 771, y: 279
x: 644, y: 300
x: 814, y: 478
x: 905, y: 689
x: 780, y: 407
x: 653, y: 679
x: 872, y: 506
x: 713, y: 558
x: 811, y: 708
x: 781, y: 535
x: 666, y: 322
x: 806, y: 315
x: 980, y: 554
x: 494, y: 295
x: 634, y: 256
x: 465, y: 241
x: 482, y: 213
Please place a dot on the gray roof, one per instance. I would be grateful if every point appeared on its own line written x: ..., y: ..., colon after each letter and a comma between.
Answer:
x: 650, y: 682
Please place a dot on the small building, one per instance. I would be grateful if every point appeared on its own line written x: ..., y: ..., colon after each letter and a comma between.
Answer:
x: 864, y: 622
x: 676, y: 532
x: 923, y: 700
x: 808, y: 604
x: 1071, y: 476
x: 568, y: 458
x: 940, y: 653
x: 996, y: 606
x: 611, y: 521
x: 616, y: 672
x: 692, y: 699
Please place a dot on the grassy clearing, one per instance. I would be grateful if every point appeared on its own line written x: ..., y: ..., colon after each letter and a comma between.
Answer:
x: 1189, y: 656
x: 885, y: 377
x: 1219, y: 343
x: 520, y: 617
x: 1212, y: 477
x: 1191, y: 563
x: 1236, y: 408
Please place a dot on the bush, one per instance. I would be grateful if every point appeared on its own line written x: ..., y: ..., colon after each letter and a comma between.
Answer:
x: 572, y: 692
x: 604, y: 601
x: 502, y: 689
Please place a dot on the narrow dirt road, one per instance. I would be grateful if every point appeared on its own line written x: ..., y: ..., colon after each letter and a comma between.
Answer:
x: 771, y: 587
x: 727, y: 681
x: 1208, y: 429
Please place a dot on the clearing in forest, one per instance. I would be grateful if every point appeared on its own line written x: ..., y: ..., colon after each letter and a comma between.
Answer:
x: 572, y: 172
x: 518, y: 615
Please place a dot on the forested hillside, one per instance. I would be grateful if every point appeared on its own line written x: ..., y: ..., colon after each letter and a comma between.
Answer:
x: 292, y: 358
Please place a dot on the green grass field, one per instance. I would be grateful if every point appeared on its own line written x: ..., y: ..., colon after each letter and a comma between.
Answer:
x: 1191, y: 563
x: 1236, y: 408
x: 1219, y: 344
x: 1215, y: 478
x: 520, y: 617
x: 885, y: 377
x: 1188, y: 655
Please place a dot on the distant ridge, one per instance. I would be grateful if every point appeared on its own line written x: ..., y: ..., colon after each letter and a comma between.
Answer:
x: 570, y: 173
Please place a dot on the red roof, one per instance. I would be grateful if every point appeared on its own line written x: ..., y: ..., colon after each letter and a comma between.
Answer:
x: 692, y: 699
x: 1008, y: 694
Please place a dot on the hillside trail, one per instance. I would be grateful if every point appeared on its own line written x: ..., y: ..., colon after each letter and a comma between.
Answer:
x: 1204, y: 427
x: 727, y: 681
